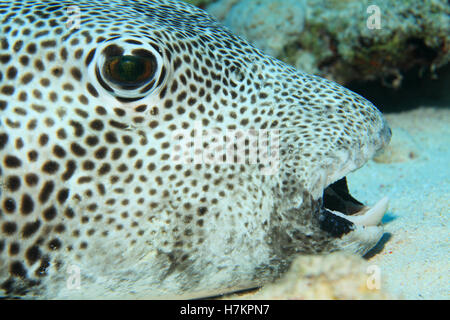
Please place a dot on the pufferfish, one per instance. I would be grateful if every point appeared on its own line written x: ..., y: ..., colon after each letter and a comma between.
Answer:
x: 97, y: 201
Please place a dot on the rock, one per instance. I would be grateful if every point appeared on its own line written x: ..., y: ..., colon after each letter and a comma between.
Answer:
x: 268, y: 24
x: 337, y: 276
x: 336, y: 33
x: 221, y: 8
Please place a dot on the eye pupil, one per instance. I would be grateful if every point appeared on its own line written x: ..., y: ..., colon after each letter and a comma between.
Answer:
x: 129, y: 70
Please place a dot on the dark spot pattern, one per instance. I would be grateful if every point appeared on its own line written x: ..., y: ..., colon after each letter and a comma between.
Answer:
x: 86, y: 154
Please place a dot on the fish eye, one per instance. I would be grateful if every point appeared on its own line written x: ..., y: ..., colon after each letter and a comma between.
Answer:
x: 129, y: 71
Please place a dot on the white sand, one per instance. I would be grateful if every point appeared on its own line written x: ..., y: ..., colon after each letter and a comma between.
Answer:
x: 414, y: 255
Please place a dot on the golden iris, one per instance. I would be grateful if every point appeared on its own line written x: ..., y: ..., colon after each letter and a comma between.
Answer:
x: 129, y: 70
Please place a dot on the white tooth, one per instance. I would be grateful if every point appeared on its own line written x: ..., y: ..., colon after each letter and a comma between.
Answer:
x: 372, y: 217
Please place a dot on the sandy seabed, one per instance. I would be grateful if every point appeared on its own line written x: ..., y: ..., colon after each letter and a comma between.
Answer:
x: 414, y: 172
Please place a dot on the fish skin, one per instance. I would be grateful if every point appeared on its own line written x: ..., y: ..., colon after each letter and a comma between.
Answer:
x: 89, y: 188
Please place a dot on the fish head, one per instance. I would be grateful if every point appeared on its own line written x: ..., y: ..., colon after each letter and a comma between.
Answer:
x: 148, y: 145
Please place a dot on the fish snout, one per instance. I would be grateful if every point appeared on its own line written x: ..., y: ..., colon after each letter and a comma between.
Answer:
x: 385, y: 134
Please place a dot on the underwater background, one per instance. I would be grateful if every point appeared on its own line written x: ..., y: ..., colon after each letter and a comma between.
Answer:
x: 395, y: 54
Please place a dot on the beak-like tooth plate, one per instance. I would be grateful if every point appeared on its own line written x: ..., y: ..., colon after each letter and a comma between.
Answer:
x: 372, y: 217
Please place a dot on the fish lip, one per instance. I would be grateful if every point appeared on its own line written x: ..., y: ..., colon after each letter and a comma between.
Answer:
x: 337, y: 197
x: 341, y: 213
x: 336, y: 202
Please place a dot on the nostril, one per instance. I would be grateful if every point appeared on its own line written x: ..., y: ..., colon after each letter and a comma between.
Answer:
x: 384, y: 137
x: 386, y: 133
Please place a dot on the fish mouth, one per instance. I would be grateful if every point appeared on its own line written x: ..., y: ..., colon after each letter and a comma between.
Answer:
x: 341, y: 213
